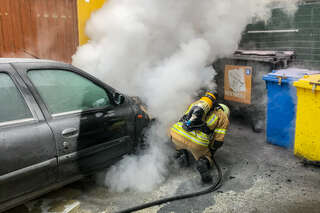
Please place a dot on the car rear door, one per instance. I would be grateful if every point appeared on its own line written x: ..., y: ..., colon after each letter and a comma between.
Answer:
x: 28, y: 155
x: 91, y: 131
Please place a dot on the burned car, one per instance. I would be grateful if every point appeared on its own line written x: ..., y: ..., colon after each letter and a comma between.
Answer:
x: 58, y: 124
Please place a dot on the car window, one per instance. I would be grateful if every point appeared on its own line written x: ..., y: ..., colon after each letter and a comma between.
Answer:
x: 65, y: 91
x: 12, y: 105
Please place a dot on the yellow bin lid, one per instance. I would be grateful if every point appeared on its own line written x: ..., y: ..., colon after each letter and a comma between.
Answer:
x: 311, y: 82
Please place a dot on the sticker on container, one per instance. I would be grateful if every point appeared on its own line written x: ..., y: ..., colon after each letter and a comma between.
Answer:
x: 236, y: 80
x: 237, y: 83
x: 248, y: 72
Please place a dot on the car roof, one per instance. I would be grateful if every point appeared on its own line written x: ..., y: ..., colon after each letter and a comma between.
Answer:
x: 26, y: 60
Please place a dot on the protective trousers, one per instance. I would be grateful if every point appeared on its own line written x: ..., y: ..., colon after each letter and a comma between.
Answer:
x: 191, y: 141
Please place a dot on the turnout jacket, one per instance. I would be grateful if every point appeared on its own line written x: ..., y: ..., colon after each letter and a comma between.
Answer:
x: 216, y: 120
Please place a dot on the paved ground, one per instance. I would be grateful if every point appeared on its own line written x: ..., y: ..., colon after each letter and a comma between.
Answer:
x: 258, y: 177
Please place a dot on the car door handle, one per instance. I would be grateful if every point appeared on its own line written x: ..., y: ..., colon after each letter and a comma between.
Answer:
x: 109, y: 116
x: 69, y: 133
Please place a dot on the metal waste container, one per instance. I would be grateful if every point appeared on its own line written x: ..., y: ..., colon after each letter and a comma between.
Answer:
x: 240, y: 85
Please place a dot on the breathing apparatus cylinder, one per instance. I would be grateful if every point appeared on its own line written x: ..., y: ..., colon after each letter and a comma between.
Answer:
x: 194, y: 118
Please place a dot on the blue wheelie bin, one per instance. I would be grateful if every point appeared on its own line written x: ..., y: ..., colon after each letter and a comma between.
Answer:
x: 281, y: 105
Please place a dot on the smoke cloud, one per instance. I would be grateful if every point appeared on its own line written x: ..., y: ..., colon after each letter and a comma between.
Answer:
x: 158, y: 50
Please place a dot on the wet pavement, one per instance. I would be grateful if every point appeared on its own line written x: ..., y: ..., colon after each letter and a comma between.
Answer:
x: 258, y: 177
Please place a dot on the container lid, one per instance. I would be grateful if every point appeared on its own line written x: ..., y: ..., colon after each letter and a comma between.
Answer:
x: 311, y: 82
x: 288, y: 75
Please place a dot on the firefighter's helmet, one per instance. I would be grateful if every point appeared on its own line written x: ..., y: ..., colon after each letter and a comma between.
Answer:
x: 225, y: 109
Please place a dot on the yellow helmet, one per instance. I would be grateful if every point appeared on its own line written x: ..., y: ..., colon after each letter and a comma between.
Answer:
x: 225, y: 109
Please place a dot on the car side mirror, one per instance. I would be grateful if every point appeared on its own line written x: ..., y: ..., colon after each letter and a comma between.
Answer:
x: 118, y: 98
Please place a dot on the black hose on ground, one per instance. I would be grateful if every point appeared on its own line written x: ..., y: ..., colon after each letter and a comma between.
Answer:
x: 212, y: 188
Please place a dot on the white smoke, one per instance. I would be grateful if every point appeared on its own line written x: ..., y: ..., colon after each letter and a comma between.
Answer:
x: 158, y: 50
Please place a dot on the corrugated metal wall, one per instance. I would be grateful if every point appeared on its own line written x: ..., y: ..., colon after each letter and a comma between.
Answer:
x: 38, y: 28
x: 306, y: 42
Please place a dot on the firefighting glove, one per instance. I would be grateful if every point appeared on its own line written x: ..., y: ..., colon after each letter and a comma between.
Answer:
x: 215, y: 146
x: 205, y: 129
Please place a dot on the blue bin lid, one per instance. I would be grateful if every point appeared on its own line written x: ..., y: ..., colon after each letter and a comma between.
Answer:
x: 288, y: 75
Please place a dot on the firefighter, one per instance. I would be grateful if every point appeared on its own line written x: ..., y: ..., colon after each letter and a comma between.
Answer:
x: 201, y: 137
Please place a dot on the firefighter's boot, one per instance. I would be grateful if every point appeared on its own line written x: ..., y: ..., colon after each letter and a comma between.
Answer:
x: 203, y: 167
x: 182, y: 158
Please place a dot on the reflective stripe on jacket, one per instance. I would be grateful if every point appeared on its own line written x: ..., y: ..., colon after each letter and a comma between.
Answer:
x: 218, y: 122
x: 212, y: 119
x: 195, y: 136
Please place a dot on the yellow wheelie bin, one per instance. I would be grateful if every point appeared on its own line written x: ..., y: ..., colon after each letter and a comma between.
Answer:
x: 307, y: 135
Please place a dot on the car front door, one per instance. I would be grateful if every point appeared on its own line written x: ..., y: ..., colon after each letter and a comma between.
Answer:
x: 28, y: 155
x: 90, y: 129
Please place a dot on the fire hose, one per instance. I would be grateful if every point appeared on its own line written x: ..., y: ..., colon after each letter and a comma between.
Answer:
x: 212, y: 188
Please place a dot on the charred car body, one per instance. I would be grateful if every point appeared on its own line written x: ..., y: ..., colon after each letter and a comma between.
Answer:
x: 57, y: 124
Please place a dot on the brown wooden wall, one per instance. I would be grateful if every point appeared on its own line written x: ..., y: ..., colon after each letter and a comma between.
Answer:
x: 38, y: 29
